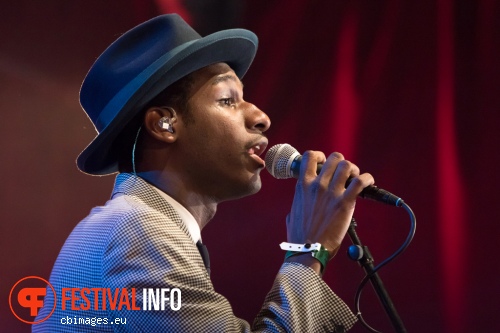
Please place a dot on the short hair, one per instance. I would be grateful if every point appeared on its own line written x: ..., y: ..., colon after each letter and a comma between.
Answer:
x: 177, y: 96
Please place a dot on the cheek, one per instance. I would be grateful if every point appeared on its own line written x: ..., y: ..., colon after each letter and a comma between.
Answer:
x: 220, y: 126
x: 216, y: 133
x: 224, y: 146
x: 208, y: 140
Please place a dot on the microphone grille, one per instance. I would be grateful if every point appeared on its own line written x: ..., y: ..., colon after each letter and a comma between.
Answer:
x: 279, y: 159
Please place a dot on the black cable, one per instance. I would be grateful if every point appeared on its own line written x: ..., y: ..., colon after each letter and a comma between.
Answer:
x: 409, y: 238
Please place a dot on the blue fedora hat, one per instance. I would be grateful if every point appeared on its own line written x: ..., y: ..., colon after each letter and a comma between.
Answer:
x: 142, y: 63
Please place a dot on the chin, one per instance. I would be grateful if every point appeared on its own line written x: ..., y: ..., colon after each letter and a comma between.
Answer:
x: 249, y: 188
x: 256, y: 187
x: 256, y: 183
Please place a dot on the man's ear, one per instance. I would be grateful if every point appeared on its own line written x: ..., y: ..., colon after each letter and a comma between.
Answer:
x: 160, y: 122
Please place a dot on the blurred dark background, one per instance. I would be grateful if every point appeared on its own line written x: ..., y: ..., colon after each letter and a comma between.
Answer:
x: 408, y: 90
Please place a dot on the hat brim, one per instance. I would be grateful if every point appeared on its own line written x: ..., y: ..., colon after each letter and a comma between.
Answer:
x: 236, y: 47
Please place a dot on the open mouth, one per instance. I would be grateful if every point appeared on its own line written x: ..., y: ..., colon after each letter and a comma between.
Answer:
x: 257, y: 149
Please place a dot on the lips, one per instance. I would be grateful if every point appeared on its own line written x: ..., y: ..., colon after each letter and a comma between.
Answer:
x: 256, y: 149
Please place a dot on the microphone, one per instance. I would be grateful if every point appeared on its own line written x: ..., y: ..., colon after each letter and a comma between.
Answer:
x: 283, y: 161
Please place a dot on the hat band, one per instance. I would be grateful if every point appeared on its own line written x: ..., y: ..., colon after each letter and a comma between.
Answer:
x: 119, y: 101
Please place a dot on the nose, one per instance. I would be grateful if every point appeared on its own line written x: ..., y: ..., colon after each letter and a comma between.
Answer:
x: 256, y: 119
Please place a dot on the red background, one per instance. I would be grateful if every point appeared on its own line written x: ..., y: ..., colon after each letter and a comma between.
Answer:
x: 408, y: 90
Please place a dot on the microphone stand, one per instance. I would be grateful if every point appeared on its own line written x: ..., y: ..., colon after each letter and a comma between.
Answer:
x: 360, y: 253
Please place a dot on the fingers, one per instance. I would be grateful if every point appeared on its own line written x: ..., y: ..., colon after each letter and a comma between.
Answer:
x: 340, y: 170
x: 335, y: 173
x: 322, y: 208
x: 329, y: 168
x: 357, y: 185
x: 309, y: 164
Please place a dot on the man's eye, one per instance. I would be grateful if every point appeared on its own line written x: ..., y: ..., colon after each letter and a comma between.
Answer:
x: 226, y: 101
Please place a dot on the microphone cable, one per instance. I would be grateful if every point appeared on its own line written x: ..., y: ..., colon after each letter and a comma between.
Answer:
x: 402, y: 248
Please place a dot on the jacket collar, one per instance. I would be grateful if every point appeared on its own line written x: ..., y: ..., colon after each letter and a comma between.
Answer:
x: 135, y: 186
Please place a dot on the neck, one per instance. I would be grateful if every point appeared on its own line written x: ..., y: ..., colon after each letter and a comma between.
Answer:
x: 202, y: 208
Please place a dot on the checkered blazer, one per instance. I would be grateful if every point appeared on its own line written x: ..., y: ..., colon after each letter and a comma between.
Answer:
x: 137, y: 240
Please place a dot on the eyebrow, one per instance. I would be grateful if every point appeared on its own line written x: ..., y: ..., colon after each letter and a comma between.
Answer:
x: 225, y: 78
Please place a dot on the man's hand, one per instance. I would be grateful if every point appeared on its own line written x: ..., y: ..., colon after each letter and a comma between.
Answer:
x: 322, y: 207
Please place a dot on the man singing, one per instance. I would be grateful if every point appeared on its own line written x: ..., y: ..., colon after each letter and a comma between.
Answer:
x: 169, y: 109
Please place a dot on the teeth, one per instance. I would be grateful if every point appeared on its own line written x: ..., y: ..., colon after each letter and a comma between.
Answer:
x: 257, y: 149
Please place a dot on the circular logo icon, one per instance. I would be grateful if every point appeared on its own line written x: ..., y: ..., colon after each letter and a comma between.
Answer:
x: 27, y: 297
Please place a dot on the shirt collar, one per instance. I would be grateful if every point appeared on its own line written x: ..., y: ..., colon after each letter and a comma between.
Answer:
x: 186, y: 216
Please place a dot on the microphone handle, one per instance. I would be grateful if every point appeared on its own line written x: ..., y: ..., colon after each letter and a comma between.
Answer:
x: 370, y: 192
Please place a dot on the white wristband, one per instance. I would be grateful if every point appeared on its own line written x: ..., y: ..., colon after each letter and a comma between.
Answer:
x: 300, y: 247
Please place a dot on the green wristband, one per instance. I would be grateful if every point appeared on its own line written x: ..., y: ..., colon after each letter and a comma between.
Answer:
x: 321, y: 255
